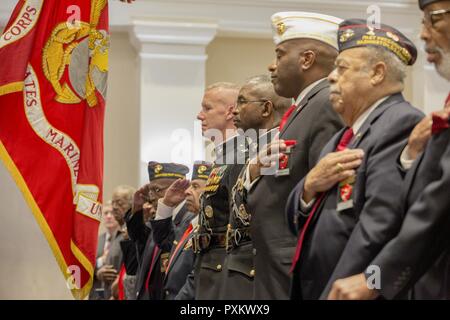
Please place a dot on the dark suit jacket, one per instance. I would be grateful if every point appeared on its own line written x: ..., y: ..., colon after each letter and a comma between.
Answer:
x: 140, y: 234
x: 165, y: 231
x: 137, y: 231
x: 113, y: 258
x: 420, y: 251
x: 312, y: 124
x: 339, y: 244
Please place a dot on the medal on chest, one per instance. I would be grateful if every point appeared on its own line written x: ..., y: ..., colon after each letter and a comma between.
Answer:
x: 345, y: 194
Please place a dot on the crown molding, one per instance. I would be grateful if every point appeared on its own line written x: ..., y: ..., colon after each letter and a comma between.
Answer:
x: 251, y: 18
x: 247, y: 18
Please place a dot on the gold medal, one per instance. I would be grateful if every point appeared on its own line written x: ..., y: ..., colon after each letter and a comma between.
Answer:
x: 243, y: 213
x: 209, y: 211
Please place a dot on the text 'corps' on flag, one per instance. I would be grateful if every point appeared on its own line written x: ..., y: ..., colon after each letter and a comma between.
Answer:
x: 53, y: 76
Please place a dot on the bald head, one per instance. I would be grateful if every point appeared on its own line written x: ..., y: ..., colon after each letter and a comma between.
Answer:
x: 262, y: 85
x: 259, y: 107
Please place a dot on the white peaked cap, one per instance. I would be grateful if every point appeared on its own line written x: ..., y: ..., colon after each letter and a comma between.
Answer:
x: 297, y: 25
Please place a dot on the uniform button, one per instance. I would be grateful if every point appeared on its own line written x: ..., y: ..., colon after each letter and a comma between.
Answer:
x: 219, y: 267
x: 167, y: 292
x: 252, y: 273
x: 209, y: 211
x: 175, y: 242
x: 254, y: 252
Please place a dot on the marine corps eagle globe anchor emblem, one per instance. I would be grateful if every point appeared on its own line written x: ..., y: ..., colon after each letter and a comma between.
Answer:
x: 78, y: 47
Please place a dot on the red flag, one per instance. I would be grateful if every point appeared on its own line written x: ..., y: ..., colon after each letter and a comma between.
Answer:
x: 53, y: 75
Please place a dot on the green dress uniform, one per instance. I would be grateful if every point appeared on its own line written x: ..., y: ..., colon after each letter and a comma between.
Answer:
x: 210, y: 240
x: 239, y: 269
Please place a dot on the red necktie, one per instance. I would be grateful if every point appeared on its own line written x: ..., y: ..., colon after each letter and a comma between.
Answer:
x: 286, y: 116
x: 155, y: 254
x: 178, y: 247
x: 121, y: 289
x: 345, y: 139
x: 440, y: 123
x: 343, y: 143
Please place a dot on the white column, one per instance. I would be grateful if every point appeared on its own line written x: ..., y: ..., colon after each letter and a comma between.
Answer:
x: 172, y: 80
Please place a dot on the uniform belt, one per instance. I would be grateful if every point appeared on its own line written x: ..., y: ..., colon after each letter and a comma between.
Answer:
x: 237, y: 237
x: 209, y: 241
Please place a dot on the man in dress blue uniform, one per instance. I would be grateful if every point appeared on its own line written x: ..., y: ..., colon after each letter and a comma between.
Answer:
x: 346, y: 205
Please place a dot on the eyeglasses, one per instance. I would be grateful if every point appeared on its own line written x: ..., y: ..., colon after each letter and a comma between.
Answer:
x: 432, y: 17
x: 243, y: 101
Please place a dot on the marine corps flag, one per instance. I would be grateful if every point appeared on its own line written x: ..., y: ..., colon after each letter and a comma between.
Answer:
x: 53, y: 72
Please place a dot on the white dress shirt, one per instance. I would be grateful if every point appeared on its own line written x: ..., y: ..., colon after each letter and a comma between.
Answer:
x: 164, y: 211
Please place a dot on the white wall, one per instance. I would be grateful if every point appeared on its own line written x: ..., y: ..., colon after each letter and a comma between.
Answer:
x: 122, y: 116
x: 28, y: 269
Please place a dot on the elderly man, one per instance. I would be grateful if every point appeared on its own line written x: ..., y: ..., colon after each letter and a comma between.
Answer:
x: 182, y: 258
x: 152, y: 258
x: 347, y: 202
x: 108, y: 272
x: 420, y: 252
x: 258, y: 112
x: 216, y: 115
x: 306, y: 48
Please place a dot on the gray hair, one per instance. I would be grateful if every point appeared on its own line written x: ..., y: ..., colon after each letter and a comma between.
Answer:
x: 263, y: 84
x: 396, y: 69
x: 128, y: 190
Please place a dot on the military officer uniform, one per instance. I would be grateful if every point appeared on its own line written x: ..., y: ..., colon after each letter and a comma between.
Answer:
x: 351, y: 222
x: 210, y: 240
x: 239, y: 269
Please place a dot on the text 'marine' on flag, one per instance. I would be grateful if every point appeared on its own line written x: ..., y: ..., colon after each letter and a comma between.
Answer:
x: 53, y: 76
